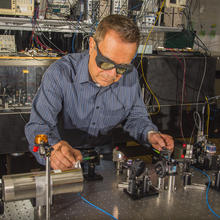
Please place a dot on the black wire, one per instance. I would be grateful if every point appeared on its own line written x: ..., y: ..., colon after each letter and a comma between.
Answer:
x: 104, y: 9
x: 187, y: 13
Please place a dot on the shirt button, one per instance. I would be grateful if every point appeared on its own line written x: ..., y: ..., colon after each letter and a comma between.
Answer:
x: 93, y: 123
x: 97, y: 107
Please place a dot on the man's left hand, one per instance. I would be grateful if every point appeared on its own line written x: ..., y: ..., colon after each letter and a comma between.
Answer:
x: 158, y: 141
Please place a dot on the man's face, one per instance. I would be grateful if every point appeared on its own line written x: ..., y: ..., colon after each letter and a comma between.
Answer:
x: 113, y: 48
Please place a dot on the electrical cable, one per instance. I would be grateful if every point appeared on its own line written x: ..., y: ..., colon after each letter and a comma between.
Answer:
x: 182, y: 100
x: 187, y: 12
x: 25, y: 122
x: 204, y: 73
x: 74, y: 35
x: 142, y: 68
x: 196, y: 125
x: 42, y: 33
x: 185, y: 104
x: 135, y: 6
x: 198, y: 95
x: 94, y: 206
x: 207, y: 191
x: 103, y: 12
x: 208, y: 117
x: 121, y: 10
x: 182, y: 92
x: 214, y: 97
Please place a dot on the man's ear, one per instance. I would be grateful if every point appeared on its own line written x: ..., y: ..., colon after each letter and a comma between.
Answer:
x: 91, y: 44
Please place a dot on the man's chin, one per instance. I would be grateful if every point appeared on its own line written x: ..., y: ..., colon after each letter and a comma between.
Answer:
x: 104, y: 83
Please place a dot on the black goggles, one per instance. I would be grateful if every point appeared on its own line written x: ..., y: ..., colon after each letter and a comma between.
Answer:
x: 107, y: 64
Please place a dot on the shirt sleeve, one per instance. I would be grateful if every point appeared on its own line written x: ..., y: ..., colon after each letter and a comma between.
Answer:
x: 46, y: 105
x: 138, y: 123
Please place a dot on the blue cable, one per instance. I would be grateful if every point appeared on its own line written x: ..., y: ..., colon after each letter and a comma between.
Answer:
x: 85, y: 200
x: 207, y: 191
x: 136, y: 6
x: 74, y: 35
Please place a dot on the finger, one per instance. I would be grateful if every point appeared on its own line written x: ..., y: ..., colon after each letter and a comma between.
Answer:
x: 157, y: 147
x: 167, y: 138
x: 69, y: 154
x: 57, y: 165
x: 170, y: 145
x: 169, y: 141
x: 77, y: 155
x: 159, y: 140
x: 63, y: 158
x: 53, y: 165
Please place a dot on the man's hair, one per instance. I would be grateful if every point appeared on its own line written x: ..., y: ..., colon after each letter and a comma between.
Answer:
x: 125, y: 27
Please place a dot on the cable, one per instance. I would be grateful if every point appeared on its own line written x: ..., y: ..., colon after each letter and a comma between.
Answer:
x: 195, y: 124
x: 208, y: 113
x: 94, y: 206
x: 142, y: 68
x: 198, y: 121
x: 185, y: 104
x: 182, y: 99
x: 207, y: 191
x: 214, y: 97
x: 74, y: 35
x: 20, y: 115
x: 197, y: 100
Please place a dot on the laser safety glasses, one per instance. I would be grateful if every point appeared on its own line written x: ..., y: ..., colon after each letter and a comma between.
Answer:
x: 107, y: 64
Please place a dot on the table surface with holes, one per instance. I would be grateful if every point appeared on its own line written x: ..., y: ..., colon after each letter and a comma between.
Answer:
x: 181, y: 204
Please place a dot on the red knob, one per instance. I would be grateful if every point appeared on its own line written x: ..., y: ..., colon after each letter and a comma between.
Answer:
x: 35, y: 148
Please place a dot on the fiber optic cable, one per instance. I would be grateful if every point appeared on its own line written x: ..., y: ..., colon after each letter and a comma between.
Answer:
x: 94, y: 206
x: 207, y: 191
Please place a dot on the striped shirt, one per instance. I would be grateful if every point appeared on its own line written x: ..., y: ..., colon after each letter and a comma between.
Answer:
x: 91, y: 110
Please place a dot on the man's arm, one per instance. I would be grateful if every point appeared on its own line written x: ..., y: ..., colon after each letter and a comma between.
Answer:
x: 43, y: 120
x: 142, y: 128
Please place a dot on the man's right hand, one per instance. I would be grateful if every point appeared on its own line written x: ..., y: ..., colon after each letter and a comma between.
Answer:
x: 64, y: 156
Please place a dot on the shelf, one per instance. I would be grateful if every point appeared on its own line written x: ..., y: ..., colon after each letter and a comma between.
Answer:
x: 27, y: 61
x: 64, y: 26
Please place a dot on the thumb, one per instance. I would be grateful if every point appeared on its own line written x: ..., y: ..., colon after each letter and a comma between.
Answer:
x: 160, y: 141
x: 77, y: 155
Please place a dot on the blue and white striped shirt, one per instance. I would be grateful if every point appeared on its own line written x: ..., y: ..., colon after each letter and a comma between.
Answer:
x: 93, y: 110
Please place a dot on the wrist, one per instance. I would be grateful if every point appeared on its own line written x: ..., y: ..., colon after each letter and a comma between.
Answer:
x: 152, y: 132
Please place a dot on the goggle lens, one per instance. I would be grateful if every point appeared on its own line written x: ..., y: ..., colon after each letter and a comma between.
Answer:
x: 107, y: 66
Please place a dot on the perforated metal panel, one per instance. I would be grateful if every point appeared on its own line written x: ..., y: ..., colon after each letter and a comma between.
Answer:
x: 20, y: 210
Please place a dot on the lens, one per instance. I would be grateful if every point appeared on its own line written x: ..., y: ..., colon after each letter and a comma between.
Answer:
x: 121, y: 70
x: 107, y: 66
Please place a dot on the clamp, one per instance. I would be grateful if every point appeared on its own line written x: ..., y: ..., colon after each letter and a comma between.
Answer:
x: 45, y: 149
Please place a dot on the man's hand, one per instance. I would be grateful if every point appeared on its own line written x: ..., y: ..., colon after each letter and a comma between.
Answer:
x: 64, y: 156
x: 159, y: 140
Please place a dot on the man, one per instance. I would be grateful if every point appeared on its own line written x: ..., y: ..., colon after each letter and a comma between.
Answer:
x: 95, y: 91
